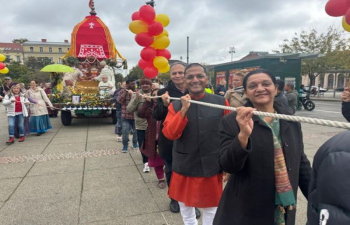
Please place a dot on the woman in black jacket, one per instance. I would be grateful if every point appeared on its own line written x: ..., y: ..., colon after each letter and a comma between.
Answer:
x: 265, y: 157
x: 329, y: 193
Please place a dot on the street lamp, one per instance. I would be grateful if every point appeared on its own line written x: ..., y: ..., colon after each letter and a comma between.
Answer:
x: 231, y: 51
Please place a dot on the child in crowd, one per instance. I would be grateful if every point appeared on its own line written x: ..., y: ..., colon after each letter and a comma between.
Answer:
x: 15, y: 103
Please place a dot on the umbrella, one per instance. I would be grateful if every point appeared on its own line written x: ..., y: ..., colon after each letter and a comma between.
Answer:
x: 57, y: 68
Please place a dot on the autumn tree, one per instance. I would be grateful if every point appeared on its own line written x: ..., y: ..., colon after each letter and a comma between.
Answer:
x: 329, y: 45
x: 135, y: 73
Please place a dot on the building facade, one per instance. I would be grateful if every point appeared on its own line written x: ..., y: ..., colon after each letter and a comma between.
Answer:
x: 330, y: 80
x: 12, y: 51
x: 43, y: 48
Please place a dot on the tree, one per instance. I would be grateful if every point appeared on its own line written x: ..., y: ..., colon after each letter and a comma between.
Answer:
x: 19, y: 41
x: 164, y: 77
x: 328, y: 44
x: 34, y: 63
x: 20, y: 73
x: 119, y: 78
x: 135, y: 73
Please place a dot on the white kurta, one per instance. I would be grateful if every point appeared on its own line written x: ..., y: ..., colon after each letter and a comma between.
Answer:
x: 40, y: 96
x: 109, y: 73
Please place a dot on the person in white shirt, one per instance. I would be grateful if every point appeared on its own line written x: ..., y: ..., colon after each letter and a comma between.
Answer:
x: 106, y: 70
x: 105, y: 86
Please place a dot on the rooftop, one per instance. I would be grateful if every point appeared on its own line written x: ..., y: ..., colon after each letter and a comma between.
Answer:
x: 44, y: 42
x: 11, y: 47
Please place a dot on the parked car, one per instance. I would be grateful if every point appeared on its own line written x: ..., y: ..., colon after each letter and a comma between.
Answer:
x: 306, y: 88
x: 340, y: 89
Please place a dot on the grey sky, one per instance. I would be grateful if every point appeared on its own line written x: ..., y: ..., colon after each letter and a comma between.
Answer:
x: 212, y: 25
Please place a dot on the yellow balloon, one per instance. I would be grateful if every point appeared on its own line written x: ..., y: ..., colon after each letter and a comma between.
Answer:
x: 160, y: 62
x: 138, y: 26
x: 161, y: 42
x: 164, y: 33
x: 163, y: 19
x: 4, y: 71
x: 164, y: 70
x: 2, y: 57
x: 346, y: 26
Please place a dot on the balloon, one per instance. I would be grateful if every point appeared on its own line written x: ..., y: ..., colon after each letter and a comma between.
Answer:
x: 143, y: 64
x: 2, y: 65
x: 135, y: 16
x: 2, y: 57
x: 163, y: 19
x: 164, y: 33
x: 148, y: 54
x: 164, y: 52
x: 347, y: 16
x: 346, y: 26
x: 155, y: 29
x: 137, y: 26
x: 164, y: 70
x: 161, y: 42
x: 160, y: 62
x: 150, y: 72
x: 4, y: 71
x: 337, y: 7
x: 147, y: 13
x: 144, y: 39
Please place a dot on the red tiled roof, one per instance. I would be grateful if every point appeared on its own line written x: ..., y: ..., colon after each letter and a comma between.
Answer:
x: 13, y: 47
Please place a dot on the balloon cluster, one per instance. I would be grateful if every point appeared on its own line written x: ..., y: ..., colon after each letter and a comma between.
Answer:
x: 3, y: 68
x: 150, y: 34
x: 338, y: 8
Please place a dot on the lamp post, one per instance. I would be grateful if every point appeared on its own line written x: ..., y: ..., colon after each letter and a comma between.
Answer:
x: 231, y: 51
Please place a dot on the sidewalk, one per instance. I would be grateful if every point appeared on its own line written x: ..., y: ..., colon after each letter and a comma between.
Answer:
x: 102, y: 190
x: 328, y: 96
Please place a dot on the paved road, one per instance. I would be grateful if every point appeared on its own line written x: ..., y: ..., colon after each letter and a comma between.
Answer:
x: 324, y: 110
x: 101, y: 190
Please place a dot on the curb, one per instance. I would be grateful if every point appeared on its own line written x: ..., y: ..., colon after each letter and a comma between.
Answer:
x: 326, y: 99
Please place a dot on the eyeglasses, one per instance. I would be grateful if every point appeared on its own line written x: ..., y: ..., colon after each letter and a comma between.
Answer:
x: 198, y: 76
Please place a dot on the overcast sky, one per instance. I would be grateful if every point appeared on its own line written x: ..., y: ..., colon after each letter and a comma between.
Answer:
x: 212, y: 25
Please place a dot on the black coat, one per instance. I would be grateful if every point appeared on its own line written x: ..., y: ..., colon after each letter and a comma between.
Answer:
x: 345, y: 109
x: 160, y: 112
x: 330, y: 182
x: 249, y: 196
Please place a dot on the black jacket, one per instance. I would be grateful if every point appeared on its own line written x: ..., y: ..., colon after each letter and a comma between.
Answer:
x: 249, y: 196
x: 345, y: 110
x: 160, y: 112
x: 330, y: 182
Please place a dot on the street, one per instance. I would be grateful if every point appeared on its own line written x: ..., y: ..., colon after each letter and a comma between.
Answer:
x: 106, y: 187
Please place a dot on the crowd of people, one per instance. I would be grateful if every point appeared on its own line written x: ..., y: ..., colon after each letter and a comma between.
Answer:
x: 195, y: 149
x: 27, y: 109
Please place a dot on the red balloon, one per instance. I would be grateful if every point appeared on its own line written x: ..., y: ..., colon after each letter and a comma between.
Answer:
x: 337, y: 7
x: 135, y: 16
x: 143, y: 64
x: 148, y: 53
x: 147, y: 13
x: 2, y: 65
x: 144, y: 39
x: 347, y: 16
x: 155, y: 28
x: 150, y: 72
x: 164, y: 52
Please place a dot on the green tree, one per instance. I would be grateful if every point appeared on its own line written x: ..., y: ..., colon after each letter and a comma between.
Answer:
x: 135, y: 73
x: 20, y: 40
x: 19, y: 72
x: 34, y: 63
x: 119, y: 78
x: 327, y: 44
x: 164, y: 77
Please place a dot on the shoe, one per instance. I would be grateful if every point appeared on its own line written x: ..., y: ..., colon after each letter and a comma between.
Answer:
x: 119, y: 139
x: 161, y: 184
x: 146, y: 168
x: 21, y: 139
x: 125, y: 149
x: 10, y: 141
x: 174, y: 206
x: 135, y: 147
x: 198, y: 213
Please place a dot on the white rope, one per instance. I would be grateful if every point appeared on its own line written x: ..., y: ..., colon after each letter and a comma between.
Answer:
x: 322, y: 122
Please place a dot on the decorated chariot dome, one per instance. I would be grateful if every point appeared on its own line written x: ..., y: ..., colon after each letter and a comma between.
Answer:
x: 92, y: 38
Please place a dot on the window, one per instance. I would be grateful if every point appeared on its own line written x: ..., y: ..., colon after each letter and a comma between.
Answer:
x: 59, y: 60
x: 50, y: 49
x: 51, y: 58
x: 18, y: 58
x: 59, y: 49
x: 31, y: 49
x: 41, y: 49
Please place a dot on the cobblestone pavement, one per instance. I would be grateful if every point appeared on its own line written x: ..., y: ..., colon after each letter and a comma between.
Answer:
x: 105, y: 188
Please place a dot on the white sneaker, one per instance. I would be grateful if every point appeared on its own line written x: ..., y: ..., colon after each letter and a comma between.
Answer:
x: 146, y: 168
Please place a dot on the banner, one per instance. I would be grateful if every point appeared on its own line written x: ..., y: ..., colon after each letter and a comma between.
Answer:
x: 220, y: 76
x: 243, y: 70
